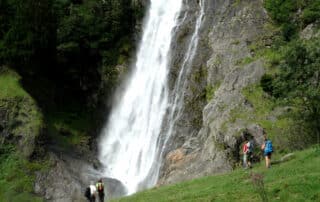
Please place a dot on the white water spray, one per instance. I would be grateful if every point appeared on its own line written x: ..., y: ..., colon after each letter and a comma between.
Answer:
x: 128, y: 147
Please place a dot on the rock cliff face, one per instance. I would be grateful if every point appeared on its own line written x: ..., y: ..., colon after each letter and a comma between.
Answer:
x: 205, y: 141
x: 21, y: 121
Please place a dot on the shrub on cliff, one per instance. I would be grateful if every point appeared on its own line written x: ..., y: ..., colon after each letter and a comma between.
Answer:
x: 298, y: 84
x: 293, y: 15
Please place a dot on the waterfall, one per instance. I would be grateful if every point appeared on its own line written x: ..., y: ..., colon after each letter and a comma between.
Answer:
x: 130, y: 147
x: 128, y: 144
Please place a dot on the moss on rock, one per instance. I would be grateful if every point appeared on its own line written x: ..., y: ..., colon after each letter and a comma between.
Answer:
x: 21, y: 119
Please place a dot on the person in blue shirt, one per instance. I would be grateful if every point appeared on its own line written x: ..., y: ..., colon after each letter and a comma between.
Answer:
x: 267, y: 149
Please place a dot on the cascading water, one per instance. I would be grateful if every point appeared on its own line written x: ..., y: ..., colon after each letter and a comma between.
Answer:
x: 131, y: 147
x: 128, y: 147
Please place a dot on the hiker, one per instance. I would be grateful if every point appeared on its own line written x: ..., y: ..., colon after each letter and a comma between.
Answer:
x: 87, y: 193
x: 267, y: 149
x: 100, y: 188
x: 250, y: 153
x: 93, y: 192
x: 245, y: 153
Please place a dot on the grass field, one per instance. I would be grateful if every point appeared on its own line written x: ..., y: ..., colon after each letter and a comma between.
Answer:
x: 294, y: 180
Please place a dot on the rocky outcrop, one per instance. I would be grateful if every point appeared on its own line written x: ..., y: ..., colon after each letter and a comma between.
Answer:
x: 68, y: 176
x: 310, y: 32
x: 229, y: 28
x: 21, y: 121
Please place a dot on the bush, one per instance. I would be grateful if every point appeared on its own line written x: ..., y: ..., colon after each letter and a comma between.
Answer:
x: 289, y: 31
x: 286, y: 13
x: 280, y: 10
x: 311, y: 13
x: 16, y: 180
x: 266, y: 83
x: 298, y: 83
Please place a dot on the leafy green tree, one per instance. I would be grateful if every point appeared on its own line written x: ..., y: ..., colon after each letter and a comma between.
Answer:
x: 311, y: 13
x: 293, y: 15
x: 30, y: 35
x: 73, y: 41
x: 299, y: 81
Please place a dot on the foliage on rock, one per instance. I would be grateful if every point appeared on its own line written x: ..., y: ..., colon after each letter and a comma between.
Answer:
x: 297, y: 84
x: 292, y: 15
x: 21, y: 125
x: 21, y: 119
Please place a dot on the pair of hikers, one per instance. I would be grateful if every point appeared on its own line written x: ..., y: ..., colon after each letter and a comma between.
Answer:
x: 247, y: 150
x: 93, y: 190
x: 266, y: 149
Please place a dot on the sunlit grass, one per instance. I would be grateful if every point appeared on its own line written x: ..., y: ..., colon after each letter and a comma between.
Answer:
x: 295, y: 180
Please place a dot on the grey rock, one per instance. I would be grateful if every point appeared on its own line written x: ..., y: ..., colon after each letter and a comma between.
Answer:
x: 213, y: 146
x: 20, y: 124
x: 287, y: 157
x: 68, y: 177
x: 311, y: 31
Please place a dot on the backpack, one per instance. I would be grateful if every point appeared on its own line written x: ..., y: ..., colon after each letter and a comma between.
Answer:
x: 250, y: 149
x: 268, y: 147
x: 87, y: 193
x: 245, y: 148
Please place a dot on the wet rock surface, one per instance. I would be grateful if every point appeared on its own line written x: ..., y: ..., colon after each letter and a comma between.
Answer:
x: 229, y: 28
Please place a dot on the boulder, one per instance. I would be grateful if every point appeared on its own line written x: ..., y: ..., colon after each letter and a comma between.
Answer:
x: 68, y: 177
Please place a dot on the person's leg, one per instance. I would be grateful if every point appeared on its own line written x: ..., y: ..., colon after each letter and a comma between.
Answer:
x: 267, y: 160
x: 102, y: 197
x: 249, y: 159
x: 244, y: 160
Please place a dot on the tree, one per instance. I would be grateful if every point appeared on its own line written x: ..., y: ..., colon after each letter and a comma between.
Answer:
x: 29, y: 39
x: 299, y: 81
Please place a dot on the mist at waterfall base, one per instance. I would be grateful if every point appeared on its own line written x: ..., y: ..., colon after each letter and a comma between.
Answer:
x: 131, y: 146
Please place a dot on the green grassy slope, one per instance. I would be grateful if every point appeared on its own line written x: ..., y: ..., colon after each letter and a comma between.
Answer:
x: 294, y: 180
x: 17, y: 177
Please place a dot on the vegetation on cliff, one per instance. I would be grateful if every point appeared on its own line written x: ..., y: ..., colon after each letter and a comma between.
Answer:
x: 286, y: 101
x: 67, y: 52
x: 70, y: 46
x: 17, y: 176
x: 20, y: 126
x: 293, y: 78
x: 58, y: 63
x: 293, y: 15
